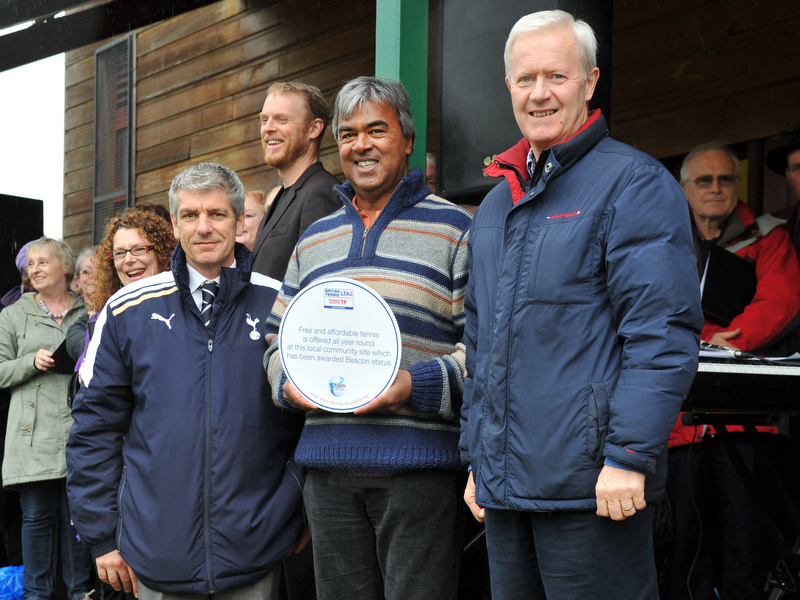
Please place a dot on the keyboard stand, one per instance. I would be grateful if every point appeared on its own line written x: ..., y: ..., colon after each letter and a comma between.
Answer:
x: 785, y: 578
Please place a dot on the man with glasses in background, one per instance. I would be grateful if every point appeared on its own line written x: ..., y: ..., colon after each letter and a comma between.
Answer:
x: 701, y: 473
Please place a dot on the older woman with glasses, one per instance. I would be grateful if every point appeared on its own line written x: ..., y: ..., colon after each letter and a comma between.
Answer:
x: 84, y: 281
x: 39, y: 421
x: 84, y: 272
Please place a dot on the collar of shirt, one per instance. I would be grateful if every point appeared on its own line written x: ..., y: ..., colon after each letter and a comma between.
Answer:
x: 273, y: 206
x: 196, y: 280
x: 364, y: 216
x: 530, y: 164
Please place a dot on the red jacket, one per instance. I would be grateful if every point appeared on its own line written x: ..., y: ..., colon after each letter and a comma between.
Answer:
x: 776, y: 302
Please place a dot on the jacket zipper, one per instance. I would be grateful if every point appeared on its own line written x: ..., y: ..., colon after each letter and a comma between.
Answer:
x: 207, y: 479
x: 364, y: 241
x: 366, y: 229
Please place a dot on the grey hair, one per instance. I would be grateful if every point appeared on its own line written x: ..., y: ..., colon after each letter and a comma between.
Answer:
x: 551, y: 19
x: 379, y: 90
x: 61, y: 249
x: 88, y: 251
x: 205, y: 177
x: 702, y: 149
x: 430, y: 159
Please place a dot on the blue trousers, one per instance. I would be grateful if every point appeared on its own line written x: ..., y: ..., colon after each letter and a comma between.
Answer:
x: 45, y: 520
x: 570, y: 556
x: 395, y: 537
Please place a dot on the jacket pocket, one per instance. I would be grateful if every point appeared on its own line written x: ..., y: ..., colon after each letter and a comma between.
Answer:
x: 297, y: 472
x: 597, y: 423
x: 123, y: 481
x: 27, y: 422
x: 563, y: 269
x: 483, y: 441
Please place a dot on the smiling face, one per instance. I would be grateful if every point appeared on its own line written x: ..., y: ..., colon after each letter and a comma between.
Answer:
x: 548, y: 91
x: 253, y: 213
x: 373, y: 152
x: 206, y: 225
x: 132, y: 268
x: 45, y: 271
x: 287, y: 130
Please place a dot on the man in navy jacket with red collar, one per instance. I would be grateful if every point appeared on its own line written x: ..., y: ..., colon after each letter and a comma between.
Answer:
x: 583, y: 316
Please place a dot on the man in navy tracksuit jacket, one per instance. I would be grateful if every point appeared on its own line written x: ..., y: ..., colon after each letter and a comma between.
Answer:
x: 180, y: 478
x: 583, y: 314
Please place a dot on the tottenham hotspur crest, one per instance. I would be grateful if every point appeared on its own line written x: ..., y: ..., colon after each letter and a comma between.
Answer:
x: 254, y: 335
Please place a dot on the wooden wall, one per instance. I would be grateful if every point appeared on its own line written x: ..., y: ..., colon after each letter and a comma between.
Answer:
x: 200, y: 82
x: 691, y: 71
x: 684, y: 72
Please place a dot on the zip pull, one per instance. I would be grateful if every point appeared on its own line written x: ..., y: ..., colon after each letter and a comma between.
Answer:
x: 210, y: 345
x: 364, y: 242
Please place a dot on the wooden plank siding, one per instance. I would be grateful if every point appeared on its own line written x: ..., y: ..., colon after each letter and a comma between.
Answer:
x: 687, y: 72
x: 690, y: 71
x: 200, y: 80
x: 684, y: 72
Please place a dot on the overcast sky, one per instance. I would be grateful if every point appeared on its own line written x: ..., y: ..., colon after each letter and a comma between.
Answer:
x: 32, y: 136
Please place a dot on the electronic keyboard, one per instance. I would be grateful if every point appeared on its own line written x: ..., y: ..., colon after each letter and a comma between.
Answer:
x: 744, y: 386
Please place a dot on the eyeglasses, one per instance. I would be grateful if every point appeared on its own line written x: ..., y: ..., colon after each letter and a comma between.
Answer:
x: 120, y: 254
x: 88, y: 271
x: 706, y: 181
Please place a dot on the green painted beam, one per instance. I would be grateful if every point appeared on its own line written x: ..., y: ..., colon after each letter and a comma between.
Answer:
x: 401, y: 52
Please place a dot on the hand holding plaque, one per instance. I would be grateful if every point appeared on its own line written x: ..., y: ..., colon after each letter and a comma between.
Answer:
x: 339, y: 344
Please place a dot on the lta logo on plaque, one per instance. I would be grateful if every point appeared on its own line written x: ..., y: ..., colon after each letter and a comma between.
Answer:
x: 339, y: 298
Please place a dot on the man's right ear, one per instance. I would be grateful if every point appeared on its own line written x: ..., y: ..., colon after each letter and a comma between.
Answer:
x: 316, y: 129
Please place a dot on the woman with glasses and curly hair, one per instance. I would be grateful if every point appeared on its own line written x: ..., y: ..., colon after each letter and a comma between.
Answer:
x: 137, y: 243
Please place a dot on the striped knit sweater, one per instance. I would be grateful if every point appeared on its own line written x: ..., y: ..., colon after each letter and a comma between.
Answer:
x: 415, y: 256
